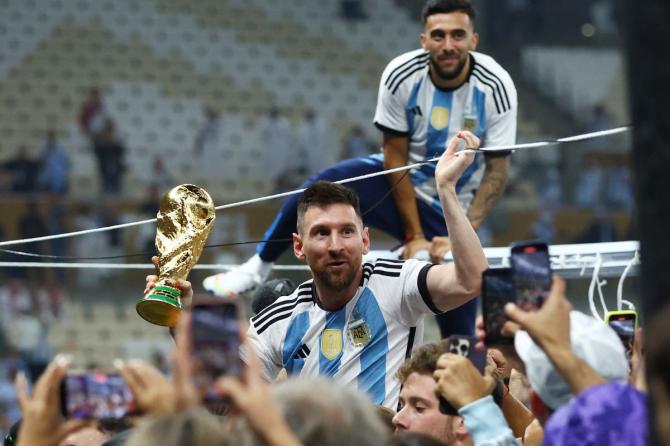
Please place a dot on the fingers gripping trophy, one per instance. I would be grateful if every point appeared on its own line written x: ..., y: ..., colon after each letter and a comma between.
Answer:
x: 184, y: 221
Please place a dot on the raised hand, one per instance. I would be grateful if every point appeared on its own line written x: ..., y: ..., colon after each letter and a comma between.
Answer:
x: 451, y: 165
x: 183, y: 285
x: 42, y: 423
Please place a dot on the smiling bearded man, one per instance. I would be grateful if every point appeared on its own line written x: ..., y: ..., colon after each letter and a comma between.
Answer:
x: 357, y: 322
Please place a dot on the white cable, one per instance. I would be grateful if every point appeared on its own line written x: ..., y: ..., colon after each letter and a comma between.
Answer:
x: 592, y: 135
x: 619, y: 289
x: 592, y: 287
x: 346, y: 180
x: 147, y: 266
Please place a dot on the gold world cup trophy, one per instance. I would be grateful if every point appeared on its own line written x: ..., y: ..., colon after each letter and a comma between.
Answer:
x: 184, y: 221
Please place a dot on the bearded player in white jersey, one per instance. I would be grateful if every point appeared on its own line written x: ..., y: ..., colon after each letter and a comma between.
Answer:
x: 425, y: 97
x: 357, y: 322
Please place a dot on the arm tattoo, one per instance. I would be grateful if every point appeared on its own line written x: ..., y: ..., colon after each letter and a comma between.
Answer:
x: 490, y: 189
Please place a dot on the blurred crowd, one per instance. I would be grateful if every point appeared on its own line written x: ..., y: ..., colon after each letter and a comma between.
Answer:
x: 564, y: 380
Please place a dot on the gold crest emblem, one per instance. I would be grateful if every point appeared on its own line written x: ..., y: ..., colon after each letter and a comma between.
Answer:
x: 470, y: 124
x: 439, y: 117
x: 331, y: 343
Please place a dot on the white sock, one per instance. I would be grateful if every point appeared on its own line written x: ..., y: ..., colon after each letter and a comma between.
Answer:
x: 256, y: 265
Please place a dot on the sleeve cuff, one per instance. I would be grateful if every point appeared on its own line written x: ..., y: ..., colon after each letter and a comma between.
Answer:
x: 484, y: 420
x: 390, y: 131
x: 422, y: 284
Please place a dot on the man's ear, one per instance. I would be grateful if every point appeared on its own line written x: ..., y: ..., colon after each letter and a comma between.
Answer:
x: 297, y: 247
x: 460, y: 430
x: 422, y: 40
x: 474, y: 41
x: 366, y: 240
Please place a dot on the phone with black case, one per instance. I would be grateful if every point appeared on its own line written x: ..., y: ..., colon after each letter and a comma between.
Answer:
x: 497, y: 290
x: 531, y: 273
x: 464, y: 346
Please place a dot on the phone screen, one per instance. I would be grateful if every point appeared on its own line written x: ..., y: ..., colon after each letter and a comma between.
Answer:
x: 215, y: 335
x: 624, y: 326
x: 96, y: 396
x: 531, y: 273
x: 497, y: 290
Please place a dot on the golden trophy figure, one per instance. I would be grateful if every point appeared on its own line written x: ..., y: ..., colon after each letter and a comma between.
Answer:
x: 184, y: 221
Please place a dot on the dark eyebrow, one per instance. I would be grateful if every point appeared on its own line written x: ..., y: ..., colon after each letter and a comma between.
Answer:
x: 437, y: 33
x: 318, y: 228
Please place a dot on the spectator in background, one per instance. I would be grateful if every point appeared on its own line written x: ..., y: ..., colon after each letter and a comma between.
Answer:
x: 589, y: 185
x: 208, y: 146
x: 208, y: 136
x: 160, y: 177
x: 55, y: 166
x: 275, y: 131
x: 10, y: 411
x: 352, y: 10
x: 601, y: 228
x: 315, y: 145
x: 50, y: 301
x: 23, y: 171
x: 15, y: 298
x: 93, y: 117
x: 110, y: 152
x: 356, y: 144
x: 31, y: 224
x: 618, y: 185
x: 600, y: 120
x: 27, y: 335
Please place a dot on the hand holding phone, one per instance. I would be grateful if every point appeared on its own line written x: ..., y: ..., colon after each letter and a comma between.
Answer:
x: 464, y: 346
x: 497, y: 290
x: 624, y: 323
x: 215, y: 344
x: 531, y: 273
x: 96, y: 396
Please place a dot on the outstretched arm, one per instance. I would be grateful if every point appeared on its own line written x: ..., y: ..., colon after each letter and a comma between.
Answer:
x: 452, y: 285
x: 396, y: 155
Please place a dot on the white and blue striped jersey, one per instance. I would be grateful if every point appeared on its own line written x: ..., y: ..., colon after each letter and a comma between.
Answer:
x: 410, y: 104
x: 362, y: 344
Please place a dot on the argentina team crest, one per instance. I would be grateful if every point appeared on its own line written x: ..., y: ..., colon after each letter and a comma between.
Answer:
x: 470, y: 124
x: 331, y: 343
x: 359, y: 331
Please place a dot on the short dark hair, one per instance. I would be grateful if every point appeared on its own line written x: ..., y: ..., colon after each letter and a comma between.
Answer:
x: 447, y: 6
x: 324, y: 193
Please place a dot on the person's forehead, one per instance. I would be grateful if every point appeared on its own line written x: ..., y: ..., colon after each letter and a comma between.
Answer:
x: 448, y: 21
x: 330, y: 215
x: 421, y: 386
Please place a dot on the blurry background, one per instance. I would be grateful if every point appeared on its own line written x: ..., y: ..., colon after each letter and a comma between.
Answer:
x: 107, y: 104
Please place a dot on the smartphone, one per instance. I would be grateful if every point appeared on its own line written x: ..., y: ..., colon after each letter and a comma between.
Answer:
x: 215, y: 343
x: 96, y: 396
x: 465, y: 346
x: 497, y: 290
x: 624, y: 323
x: 531, y: 274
